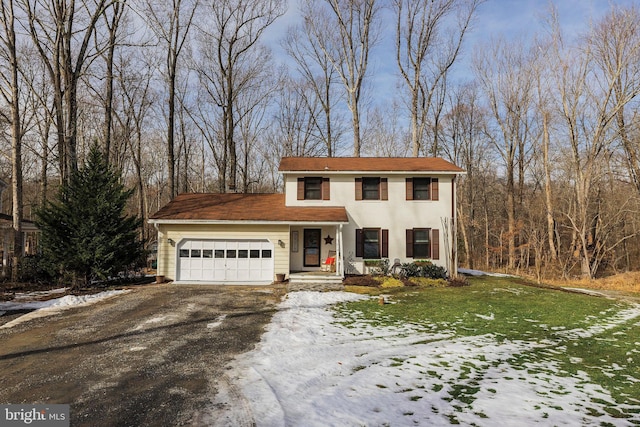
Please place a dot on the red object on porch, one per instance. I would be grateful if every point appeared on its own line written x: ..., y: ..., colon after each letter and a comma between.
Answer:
x: 329, y: 264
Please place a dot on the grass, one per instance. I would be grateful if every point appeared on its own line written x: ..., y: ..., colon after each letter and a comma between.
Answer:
x: 571, y: 333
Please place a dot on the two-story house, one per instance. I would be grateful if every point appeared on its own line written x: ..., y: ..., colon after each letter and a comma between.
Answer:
x: 345, y: 210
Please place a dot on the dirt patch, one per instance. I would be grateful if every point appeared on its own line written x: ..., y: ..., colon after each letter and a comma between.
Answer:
x: 148, y: 357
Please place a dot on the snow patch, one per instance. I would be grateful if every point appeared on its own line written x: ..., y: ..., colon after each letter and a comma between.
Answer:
x: 217, y: 323
x: 310, y: 369
x: 53, y: 306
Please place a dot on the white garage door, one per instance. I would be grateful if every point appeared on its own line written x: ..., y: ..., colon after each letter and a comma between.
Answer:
x: 221, y: 261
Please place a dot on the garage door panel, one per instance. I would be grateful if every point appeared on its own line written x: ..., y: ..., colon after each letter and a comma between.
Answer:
x: 225, y: 260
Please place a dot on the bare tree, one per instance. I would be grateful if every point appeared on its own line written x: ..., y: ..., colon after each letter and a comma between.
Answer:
x: 345, y: 31
x: 426, y: 51
x: 171, y: 23
x: 230, y: 63
x: 465, y: 144
x: 615, y: 44
x: 9, y: 89
x: 136, y: 98
x: 385, y: 134
x: 61, y: 31
x: 541, y: 72
x: 112, y: 22
x: 504, y: 76
x: 591, y: 99
x: 320, y: 76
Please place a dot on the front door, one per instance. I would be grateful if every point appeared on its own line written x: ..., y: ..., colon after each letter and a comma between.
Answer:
x: 312, y: 247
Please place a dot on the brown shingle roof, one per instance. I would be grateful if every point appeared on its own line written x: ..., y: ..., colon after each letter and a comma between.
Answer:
x: 367, y: 164
x: 244, y: 207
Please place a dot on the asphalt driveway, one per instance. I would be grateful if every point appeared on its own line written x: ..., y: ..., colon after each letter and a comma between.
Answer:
x: 153, y: 356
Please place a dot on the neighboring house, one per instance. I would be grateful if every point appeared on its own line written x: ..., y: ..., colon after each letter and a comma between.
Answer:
x: 347, y: 209
x: 29, y: 237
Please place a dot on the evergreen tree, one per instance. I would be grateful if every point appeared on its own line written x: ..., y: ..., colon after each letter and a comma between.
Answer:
x: 85, y: 231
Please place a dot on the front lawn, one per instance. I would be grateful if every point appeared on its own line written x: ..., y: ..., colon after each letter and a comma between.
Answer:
x: 567, y: 352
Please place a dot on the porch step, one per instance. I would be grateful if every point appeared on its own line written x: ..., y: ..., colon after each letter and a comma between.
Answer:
x: 307, y: 282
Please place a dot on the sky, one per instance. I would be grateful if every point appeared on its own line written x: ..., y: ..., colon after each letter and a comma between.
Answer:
x: 495, y: 18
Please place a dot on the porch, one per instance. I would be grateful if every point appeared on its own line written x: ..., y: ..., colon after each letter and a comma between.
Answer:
x: 311, y: 247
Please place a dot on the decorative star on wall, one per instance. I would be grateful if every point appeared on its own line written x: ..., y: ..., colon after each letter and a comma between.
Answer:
x: 328, y: 240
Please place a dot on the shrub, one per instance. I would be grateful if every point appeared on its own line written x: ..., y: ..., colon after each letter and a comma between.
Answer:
x: 423, y: 269
x: 428, y: 283
x: 34, y: 268
x: 433, y: 271
x: 410, y: 269
x: 391, y: 282
x: 378, y: 267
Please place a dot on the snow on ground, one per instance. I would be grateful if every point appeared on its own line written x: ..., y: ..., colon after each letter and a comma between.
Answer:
x: 310, y: 370
x: 470, y: 272
x: 52, y: 306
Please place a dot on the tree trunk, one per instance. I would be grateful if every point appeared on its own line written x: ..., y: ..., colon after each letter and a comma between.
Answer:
x: 171, y: 160
x: 547, y: 188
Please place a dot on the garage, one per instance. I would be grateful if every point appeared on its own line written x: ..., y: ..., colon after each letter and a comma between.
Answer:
x: 218, y: 261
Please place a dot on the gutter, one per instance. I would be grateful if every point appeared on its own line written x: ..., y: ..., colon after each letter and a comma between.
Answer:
x: 157, y: 222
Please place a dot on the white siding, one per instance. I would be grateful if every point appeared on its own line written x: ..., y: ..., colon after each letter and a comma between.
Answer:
x: 167, y: 256
x: 395, y: 214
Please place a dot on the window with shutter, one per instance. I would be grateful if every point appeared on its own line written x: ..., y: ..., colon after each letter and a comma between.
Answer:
x: 372, y: 243
x: 370, y: 188
x: 421, y: 188
x: 313, y: 188
x: 423, y: 243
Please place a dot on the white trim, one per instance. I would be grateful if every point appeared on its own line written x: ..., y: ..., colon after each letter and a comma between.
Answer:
x: 375, y: 172
x: 241, y: 222
x: 204, y: 283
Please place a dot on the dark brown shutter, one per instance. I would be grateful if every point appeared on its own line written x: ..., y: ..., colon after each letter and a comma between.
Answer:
x: 434, y: 189
x: 384, y: 253
x: 384, y: 189
x: 300, y: 188
x: 326, y: 189
x: 435, y: 244
x: 409, y: 186
x: 358, y: 188
x: 409, y: 243
x: 359, y: 243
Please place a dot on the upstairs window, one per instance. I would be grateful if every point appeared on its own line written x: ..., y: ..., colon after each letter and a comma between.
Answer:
x: 313, y: 188
x: 371, y: 188
x: 422, y: 188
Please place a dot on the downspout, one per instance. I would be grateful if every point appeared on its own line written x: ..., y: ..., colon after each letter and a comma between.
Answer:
x: 159, y: 278
x: 339, y: 256
x: 454, y: 229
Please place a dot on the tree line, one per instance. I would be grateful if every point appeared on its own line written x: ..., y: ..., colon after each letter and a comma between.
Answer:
x: 187, y: 96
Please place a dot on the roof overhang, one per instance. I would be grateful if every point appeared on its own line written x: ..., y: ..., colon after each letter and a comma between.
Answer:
x: 376, y: 173
x: 225, y: 222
